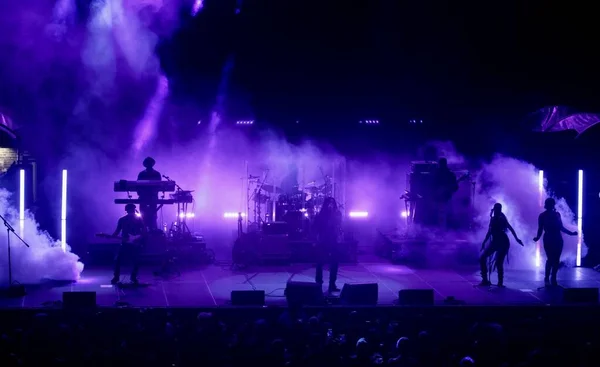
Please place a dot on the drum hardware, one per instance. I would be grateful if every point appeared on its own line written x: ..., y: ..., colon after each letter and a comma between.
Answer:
x: 271, y: 189
x: 179, y: 228
x: 261, y: 195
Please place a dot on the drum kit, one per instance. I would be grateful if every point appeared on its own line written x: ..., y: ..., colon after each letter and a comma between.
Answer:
x: 295, y: 208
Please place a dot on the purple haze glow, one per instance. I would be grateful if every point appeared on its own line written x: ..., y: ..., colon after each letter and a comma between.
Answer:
x: 514, y: 184
x: 93, y: 85
x: 44, y: 259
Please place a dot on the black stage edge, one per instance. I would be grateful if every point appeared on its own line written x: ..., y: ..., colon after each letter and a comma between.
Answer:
x: 211, y: 286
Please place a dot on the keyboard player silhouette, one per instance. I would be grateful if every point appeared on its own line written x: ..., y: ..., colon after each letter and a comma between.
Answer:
x: 148, y: 206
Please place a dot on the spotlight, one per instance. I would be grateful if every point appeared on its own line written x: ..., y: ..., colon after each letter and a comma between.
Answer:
x: 404, y: 214
x: 245, y: 122
x: 358, y: 214
x: 186, y: 215
x: 230, y: 215
x: 369, y: 122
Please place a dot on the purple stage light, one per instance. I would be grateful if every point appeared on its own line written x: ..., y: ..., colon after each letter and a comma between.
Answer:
x: 63, y: 212
x: 198, y: 5
x: 404, y: 214
x: 579, y: 215
x: 186, y: 215
x: 22, y: 194
x: 369, y: 122
x: 358, y: 214
x: 245, y: 122
x: 231, y: 215
x: 21, y: 201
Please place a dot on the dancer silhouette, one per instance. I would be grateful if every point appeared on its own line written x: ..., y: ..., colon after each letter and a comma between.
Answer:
x: 498, y: 247
x: 550, y: 223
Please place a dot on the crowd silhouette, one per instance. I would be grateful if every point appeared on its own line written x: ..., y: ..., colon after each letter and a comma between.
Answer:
x: 397, y: 336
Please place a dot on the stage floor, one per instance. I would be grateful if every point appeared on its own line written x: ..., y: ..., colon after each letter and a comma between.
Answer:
x: 211, y: 286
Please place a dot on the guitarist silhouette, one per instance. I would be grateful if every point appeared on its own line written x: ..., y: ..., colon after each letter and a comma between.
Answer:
x: 445, y: 185
x: 132, y: 231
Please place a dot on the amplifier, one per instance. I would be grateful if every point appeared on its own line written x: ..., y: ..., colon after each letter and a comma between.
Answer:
x: 423, y: 166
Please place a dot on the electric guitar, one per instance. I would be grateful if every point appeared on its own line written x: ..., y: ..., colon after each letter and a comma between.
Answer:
x: 445, y: 193
x: 133, y: 239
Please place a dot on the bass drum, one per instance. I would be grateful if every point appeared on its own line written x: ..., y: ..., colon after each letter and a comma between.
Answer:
x: 298, y: 224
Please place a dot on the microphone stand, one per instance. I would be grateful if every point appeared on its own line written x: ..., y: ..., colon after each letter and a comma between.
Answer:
x: 14, y: 290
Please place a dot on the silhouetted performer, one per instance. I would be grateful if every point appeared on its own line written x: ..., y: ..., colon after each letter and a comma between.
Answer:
x: 132, y: 231
x: 498, y: 246
x: 327, y: 226
x: 289, y: 184
x: 149, y: 210
x: 445, y: 185
x: 550, y: 223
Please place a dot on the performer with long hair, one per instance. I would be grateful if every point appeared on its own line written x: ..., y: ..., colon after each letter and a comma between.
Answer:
x: 550, y: 223
x: 328, y: 225
x: 498, y: 247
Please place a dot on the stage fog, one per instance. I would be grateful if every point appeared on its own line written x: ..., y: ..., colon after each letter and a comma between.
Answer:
x: 100, y: 102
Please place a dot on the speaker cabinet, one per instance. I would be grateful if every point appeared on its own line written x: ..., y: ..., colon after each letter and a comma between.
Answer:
x: 580, y: 295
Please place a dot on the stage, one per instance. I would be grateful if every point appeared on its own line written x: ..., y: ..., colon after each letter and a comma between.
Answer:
x: 211, y: 285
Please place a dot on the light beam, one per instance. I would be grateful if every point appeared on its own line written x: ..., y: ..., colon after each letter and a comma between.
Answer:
x: 21, y: 201
x: 63, y: 212
x: 579, y: 216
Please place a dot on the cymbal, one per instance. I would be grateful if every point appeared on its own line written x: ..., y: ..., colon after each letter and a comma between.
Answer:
x: 312, y: 189
x: 271, y: 188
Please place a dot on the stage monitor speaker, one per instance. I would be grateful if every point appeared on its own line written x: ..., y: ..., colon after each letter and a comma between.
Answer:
x: 248, y: 298
x: 79, y: 300
x: 360, y: 294
x: 304, y: 294
x: 415, y: 297
x: 580, y: 295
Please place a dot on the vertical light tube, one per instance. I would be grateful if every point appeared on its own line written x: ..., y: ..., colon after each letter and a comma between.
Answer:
x: 21, y: 201
x: 579, y: 216
x: 538, y: 247
x: 63, y: 212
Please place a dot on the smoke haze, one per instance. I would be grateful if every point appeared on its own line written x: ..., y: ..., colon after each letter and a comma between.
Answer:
x: 96, y: 105
x: 514, y: 184
x: 44, y: 259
